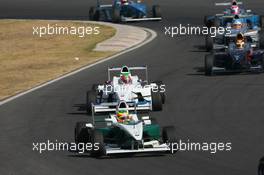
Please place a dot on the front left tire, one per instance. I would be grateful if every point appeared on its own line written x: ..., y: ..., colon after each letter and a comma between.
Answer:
x: 261, y: 39
x: 98, y: 140
x: 209, y: 43
x: 82, y: 134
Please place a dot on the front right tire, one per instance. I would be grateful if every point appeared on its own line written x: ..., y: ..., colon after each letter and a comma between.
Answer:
x: 116, y: 16
x: 208, y: 64
x: 156, y: 101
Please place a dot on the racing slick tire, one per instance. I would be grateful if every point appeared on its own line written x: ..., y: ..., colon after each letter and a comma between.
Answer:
x: 168, y: 136
x: 262, y: 22
x: 211, y: 23
x: 95, y: 87
x: 261, y: 167
x: 207, y: 22
x: 209, y: 43
x: 82, y: 134
x: 97, y: 139
x: 162, y: 94
x: 90, y: 98
x: 94, y: 14
x: 208, y: 64
x: 156, y: 11
x: 156, y: 101
x: 261, y: 39
x: 116, y: 16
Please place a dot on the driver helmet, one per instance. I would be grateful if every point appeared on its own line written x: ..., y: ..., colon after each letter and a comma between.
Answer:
x: 124, y: 1
x: 125, y: 75
x: 122, y: 112
x: 240, y: 41
x: 237, y: 24
x: 235, y: 8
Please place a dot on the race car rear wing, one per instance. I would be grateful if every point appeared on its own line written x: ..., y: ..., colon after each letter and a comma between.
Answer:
x: 111, y: 107
x: 144, y: 68
x: 227, y: 3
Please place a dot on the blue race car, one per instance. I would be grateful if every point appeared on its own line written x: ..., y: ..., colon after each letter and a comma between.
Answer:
x: 228, y: 15
x: 253, y: 34
x: 238, y: 57
x: 124, y: 11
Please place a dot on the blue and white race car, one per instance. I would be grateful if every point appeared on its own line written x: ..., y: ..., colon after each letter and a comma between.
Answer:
x: 124, y: 11
x: 238, y: 57
x: 253, y: 35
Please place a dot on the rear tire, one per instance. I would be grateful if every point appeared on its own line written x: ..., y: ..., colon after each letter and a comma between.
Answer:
x: 94, y: 14
x: 156, y: 101
x: 156, y: 11
x: 208, y: 64
x: 90, y: 98
x: 261, y: 39
x: 98, y: 139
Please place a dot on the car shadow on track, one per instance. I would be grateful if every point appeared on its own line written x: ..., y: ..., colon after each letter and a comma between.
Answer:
x: 200, y: 72
x: 81, y: 109
x: 200, y: 48
x: 122, y: 156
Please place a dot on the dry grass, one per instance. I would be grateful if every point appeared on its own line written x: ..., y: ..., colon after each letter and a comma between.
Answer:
x: 28, y: 60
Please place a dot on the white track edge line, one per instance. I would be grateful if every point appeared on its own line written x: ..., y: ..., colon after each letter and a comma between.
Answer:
x: 148, y: 40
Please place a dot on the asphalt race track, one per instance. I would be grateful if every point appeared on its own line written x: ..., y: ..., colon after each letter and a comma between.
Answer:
x: 204, y: 109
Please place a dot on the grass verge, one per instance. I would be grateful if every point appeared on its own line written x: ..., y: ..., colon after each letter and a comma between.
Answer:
x: 27, y: 60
